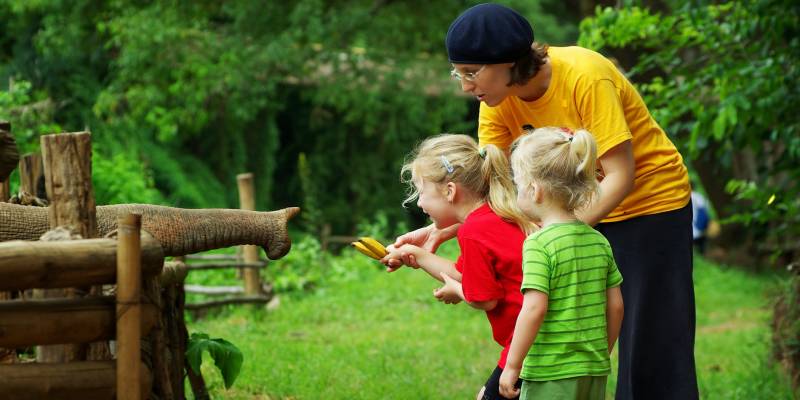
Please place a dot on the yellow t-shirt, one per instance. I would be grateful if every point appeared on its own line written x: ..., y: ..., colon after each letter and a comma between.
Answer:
x: 587, y: 91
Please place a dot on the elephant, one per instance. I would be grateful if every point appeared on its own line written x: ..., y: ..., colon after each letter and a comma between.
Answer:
x: 9, y: 155
x: 180, y: 231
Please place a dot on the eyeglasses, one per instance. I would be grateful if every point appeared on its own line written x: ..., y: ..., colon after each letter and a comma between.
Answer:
x: 469, y: 76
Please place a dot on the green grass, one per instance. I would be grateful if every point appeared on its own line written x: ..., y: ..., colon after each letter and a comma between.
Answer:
x: 383, y: 336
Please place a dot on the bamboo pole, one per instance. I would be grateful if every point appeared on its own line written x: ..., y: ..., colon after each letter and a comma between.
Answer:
x: 55, y: 321
x: 129, y: 318
x: 247, y: 201
x: 67, y: 160
x: 82, y: 380
x: 25, y: 265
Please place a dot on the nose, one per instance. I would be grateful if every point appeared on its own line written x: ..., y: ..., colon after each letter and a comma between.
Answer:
x: 467, y: 86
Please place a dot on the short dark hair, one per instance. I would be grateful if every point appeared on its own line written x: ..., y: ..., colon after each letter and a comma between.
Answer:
x: 527, y: 66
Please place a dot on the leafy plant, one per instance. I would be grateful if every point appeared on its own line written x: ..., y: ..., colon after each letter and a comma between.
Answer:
x: 227, y: 357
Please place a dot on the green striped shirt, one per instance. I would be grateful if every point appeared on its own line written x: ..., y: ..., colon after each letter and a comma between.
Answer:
x: 573, y: 264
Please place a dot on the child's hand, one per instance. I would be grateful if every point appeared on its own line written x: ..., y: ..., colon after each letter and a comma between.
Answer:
x: 508, y: 382
x: 394, y: 260
x: 450, y: 293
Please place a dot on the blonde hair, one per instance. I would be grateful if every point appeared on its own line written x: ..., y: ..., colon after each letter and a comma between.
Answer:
x: 456, y: 158
x: 560, y: 160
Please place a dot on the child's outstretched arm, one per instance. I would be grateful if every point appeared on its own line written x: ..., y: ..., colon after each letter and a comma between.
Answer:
x: 531, y: 316
x: 432, y: 264
x: 614, y: 313
x: 429, y: 238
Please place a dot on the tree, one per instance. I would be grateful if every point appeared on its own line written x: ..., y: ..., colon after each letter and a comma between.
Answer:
x: 721, y: 78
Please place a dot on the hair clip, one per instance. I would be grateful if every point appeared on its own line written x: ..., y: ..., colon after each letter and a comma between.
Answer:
x: 482, y: 152
x: 447, y: 165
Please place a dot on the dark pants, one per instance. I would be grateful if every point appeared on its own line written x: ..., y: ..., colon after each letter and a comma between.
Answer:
x: 656, y: 344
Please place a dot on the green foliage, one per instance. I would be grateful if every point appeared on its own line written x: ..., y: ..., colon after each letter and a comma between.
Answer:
x: 227, y: 357
x: 29, y: 112
x: 721, y: 79
x: 300, y: 269
x: 189, y: 94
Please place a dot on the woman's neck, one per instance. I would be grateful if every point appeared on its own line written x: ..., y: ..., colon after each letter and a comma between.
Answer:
x: 538, y: 85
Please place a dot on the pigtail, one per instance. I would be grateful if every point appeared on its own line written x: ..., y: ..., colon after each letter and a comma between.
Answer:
x: 501, y: 196
x: 584, y: 149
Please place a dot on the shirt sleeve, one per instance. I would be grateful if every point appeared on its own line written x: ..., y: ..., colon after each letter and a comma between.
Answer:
x: 478, y: 277
x: 603, y: 114
x: 614, y: 277
x: 535, y: 267
x: 492, y: 129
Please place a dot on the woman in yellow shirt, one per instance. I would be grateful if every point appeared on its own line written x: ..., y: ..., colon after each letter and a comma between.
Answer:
x: 643, y: 208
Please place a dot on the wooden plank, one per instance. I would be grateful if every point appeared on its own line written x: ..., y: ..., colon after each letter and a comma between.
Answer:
x: 82, y: 380
x: 25, y: 265
x: 226, y: 265
x: 129, y: 310
x: 232, y: 300
x: 212, y: 257
x: 213, y: 290
x: 58, y: 321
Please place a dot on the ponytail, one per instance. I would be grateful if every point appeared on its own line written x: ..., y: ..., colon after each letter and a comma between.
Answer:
x: 501, y: 195
x: 561, y: 160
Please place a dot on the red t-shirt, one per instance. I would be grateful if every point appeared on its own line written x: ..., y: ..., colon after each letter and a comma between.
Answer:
x: 491, y: 268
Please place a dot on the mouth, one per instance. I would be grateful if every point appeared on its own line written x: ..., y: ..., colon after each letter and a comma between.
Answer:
x: 480, y: 97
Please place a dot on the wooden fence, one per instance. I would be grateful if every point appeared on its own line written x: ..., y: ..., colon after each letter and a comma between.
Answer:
x: 125, y: 261
x: 247, y: 262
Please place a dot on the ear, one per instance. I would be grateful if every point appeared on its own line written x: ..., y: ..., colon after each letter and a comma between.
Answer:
x: 538, y: 193
x: 450, y: 191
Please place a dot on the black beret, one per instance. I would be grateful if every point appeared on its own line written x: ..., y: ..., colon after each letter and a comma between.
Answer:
x: 488, y: 34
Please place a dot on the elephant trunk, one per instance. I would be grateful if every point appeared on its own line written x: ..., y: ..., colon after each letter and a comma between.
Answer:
x: 180, y: 231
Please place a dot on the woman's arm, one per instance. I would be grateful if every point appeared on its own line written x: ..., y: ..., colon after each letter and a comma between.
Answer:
x: 618, y: 165
x: 531, y: 316
x: 615, y: 311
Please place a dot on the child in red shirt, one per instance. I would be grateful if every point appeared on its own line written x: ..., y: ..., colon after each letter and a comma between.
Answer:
x: 455, y: 182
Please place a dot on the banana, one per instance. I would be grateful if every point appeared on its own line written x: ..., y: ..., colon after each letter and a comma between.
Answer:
x: 374, y: 246
x: 364, y: 250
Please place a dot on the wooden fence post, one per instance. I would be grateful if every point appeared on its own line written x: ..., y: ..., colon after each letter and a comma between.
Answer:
x: 31, y: 175
x: 247, y: 201
x: 68, y: 178
x: 5, y: 189
x: 129, y: 311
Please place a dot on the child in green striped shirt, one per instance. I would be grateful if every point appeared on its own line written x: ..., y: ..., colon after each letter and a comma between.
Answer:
x: 572, y: 308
